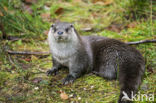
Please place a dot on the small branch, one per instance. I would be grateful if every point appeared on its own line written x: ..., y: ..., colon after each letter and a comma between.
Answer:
x: 48, y: 53
x: 141, y: 42
x: 27, y: 53
x: 11, y: 60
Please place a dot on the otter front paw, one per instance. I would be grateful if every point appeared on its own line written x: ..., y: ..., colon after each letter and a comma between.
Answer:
x: 68, y: 79
x: 52, y: 71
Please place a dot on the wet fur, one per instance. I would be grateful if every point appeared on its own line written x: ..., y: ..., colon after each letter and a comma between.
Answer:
x: 108, y: 58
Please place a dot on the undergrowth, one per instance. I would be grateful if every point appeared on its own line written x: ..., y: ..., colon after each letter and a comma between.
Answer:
x: 23, y: 79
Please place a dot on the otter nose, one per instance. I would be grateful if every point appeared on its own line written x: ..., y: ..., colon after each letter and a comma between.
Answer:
x: 60, y: 33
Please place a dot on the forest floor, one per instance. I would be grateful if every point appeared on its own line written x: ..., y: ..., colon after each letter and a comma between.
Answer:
x: 23, y: 78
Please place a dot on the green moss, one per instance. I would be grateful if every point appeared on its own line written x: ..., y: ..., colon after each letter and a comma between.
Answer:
x: 23, y: 78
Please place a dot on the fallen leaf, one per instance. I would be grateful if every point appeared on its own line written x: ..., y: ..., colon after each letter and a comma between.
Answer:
x: 5, y: 8
x: 63, y: 95
x: 95, y: 1
x: 115, y: 28
x: 28, y: 59
x: 46, y: 32
x: 99, y: 3
x: 108, y: 2
x: 27, y: 8
x: 132, y: 25
x: 1, y: 14
x: 37, y: 80
x: 59, y: 11
x: 45, y: 16
x: 25, y: 66
x: 103, y: 2
x: 77, y: 0
x: 94, y: 14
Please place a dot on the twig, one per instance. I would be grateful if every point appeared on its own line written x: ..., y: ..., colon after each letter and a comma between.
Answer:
x: 11, y: 60
x: 26, y: 53
x: 48, y: 53
x: 141, y: 42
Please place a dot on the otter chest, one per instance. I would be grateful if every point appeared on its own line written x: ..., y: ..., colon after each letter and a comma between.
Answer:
x: 63, y: 53
x: 61, y: 60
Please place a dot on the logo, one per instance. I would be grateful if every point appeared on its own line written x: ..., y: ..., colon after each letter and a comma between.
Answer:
x: 137, y: 97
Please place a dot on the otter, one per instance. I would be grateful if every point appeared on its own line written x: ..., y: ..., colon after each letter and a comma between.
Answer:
x: 106, y: 57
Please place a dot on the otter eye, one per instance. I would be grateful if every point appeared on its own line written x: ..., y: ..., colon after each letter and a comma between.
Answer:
x: 68, y: 29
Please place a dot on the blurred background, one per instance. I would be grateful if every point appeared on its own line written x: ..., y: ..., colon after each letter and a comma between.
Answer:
x: 24, y: 51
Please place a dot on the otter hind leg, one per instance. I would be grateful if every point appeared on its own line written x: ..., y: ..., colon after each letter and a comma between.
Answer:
x: 108, y: 72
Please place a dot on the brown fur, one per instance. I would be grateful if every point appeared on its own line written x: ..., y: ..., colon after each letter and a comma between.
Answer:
x: 108, y: 58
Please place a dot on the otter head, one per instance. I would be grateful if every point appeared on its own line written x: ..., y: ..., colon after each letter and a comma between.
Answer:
x: 62, y: 32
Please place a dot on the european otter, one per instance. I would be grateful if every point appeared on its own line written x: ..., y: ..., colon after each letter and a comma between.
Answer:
x: 108, y: 58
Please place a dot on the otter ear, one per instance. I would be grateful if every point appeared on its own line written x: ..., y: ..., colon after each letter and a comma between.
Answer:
x: 71, y: 25
x: 53, y: 28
